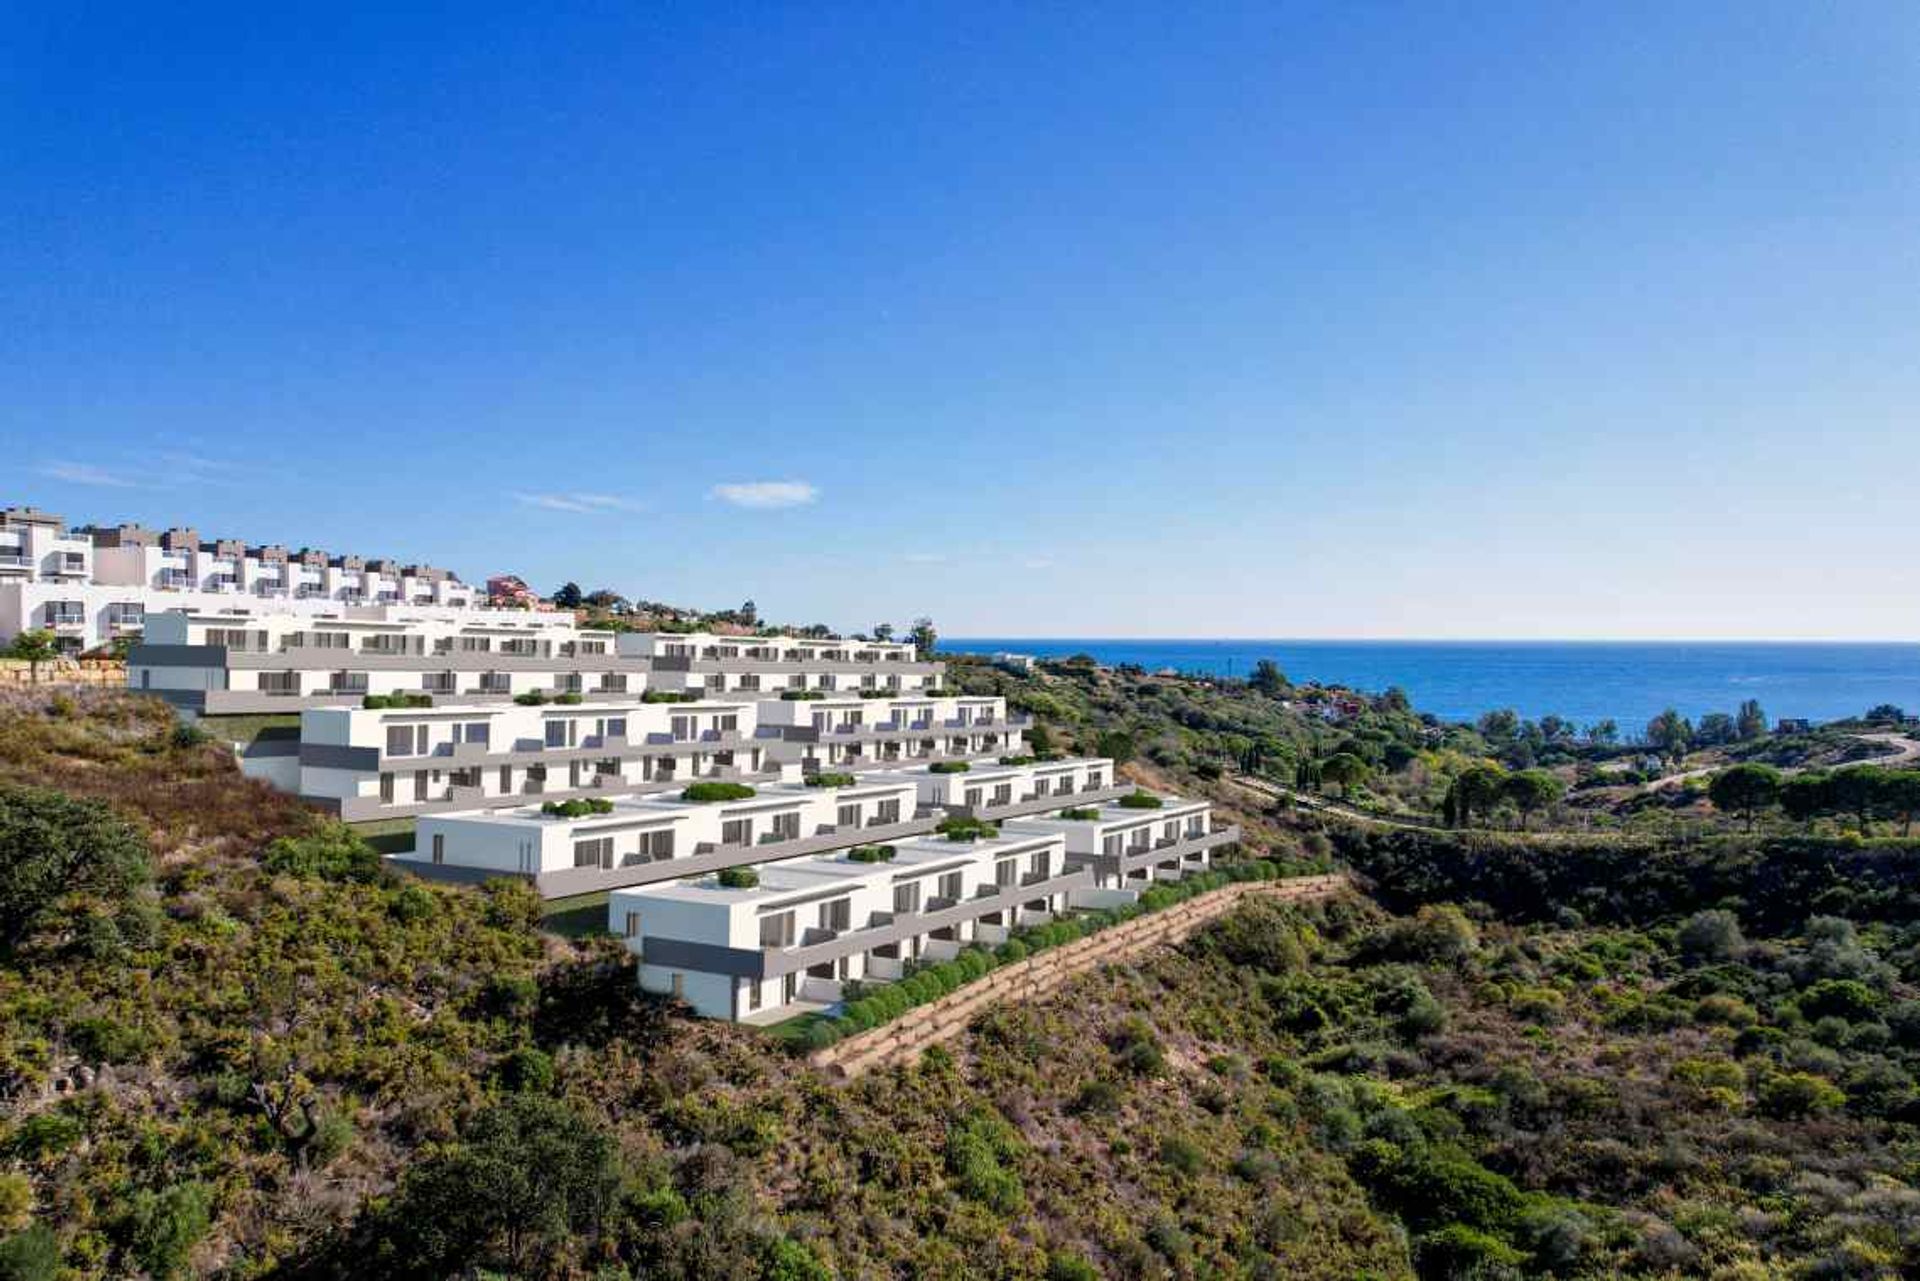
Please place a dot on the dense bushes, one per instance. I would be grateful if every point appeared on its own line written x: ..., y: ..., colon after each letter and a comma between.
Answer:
x: 581, y: 807
x: 739, y: 878
x: 831, y: 780
x: 949, y: 767
x: 802, y: 695
x: 872, y: 853
x: 333, y: 852
x: 967, y: 829
x: 376, y: 701
x: 670, y: 696
x: 710, y: 791
x: 52, y: 845
x: 1140, y: 801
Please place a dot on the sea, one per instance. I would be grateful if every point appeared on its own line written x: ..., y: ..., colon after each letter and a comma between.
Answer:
x: 1629, y: 682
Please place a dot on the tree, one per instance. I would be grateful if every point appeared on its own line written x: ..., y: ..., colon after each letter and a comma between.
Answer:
x: 526, y: 1175
x: 1604, y: 733
x: 1710, y: 937
x: 1116, y: 745
x: 1344, y: 770
x: 1806, y: 796
x: 1268, y: 679
x: 1670, y: 733
x: 33, y: 649
x: 1886, y: 714
x: 163, y: 1227
x: 750, y: 614
x: 1745, y: 790
x: 1715, y: 729
x: 1751, y: 722
x: 1476, y: 791
x: 1532, y: 789
x: 922, y: 635
x: 883, y: 631
x: 569, y: 596
x: 1856, y: 791
x: 52, y: 844
x: 1900, y: 796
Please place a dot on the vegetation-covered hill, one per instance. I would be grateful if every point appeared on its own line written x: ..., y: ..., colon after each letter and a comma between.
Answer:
x: 1591, y: 1058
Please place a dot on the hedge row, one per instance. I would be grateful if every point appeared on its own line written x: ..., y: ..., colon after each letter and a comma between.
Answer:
x: 374, y: 702
x: 868, y: 1009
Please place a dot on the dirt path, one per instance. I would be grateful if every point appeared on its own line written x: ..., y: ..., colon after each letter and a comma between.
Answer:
x: 1905, y: 749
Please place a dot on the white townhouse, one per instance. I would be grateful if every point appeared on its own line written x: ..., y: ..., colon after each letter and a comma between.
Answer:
x: 771, y: 664
x: 217, y: 663
x: 638, y: 839
x: 1128, y: 846
x: 1016, y: 786
x: 809, y: 925
x: 365, y: 763
x: 94, y: 585
x: 840, y: 732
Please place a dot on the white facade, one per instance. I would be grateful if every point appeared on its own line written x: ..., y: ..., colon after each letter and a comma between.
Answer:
x: 992, y: 791
x: 646, y: 838
x: 1128, y: 847
x: 851, y: 733
x: 378, y: 763
x: 770, y: 664
x: 93, y: 586
x: 217, y: 663
x: 814, y: 923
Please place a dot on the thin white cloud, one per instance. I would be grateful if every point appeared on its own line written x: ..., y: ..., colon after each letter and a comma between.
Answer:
x: 767, y: 493
x: 924, y: 558
x: 84, y: 474
x: 578, y: 504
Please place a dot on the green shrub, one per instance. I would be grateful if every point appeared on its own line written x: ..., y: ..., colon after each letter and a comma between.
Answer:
x: 334, y: 852
x: 1018, y: 760
x: 1793, y: 1095
x: 30, y: 1255
x: 581, y: 807
x: 715, y: 791
x: 669, y: 696
x: 51, y: 845
x: 533, y: 698
x: 1064, y: 1265
x: 872, y: 853
x: 739, y: 878
x: 527, y: 1068
x: 1137, y: 1048
x: 163, y: 1227
x: 1460, y: 1251
x: 832, y: 780
x: 978, y: 1146
x: 788, y: 1260
x: 1083, y: 814
x: 1182, y: 1155
x: 377, y: 701
x: 46, y: 1134
x: 967, y: 829
x: 949, y: 767
x: 801, y: 695
x: 105, y: 1040
x: 1140, y: 801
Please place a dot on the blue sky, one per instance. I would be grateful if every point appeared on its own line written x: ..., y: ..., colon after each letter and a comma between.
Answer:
x: 1530, y: 320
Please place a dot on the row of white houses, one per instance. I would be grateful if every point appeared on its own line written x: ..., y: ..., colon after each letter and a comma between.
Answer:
x: 92, y: 585
x: 770, y: 817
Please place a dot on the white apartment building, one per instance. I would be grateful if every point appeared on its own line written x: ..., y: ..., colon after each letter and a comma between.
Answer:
x: 770, y: 664
x: 842, y: 732
x: 1128, y: 847
x: 95, y: 585
x: 220, y: 663
x: 378, y: 763
x: 812, y: 924
x: 1017, y: 786
x: 648, y: 838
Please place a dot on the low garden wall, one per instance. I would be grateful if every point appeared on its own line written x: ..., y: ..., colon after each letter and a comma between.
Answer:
x: 905, y: 1038
x: 109, y: 672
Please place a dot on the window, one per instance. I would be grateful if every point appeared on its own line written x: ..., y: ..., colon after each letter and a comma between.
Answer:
x: 887, y: 813
x: 506, y: 780
x: 836, y: 914
x: 439, y: 847
x: 633, y: 925
x: 777, y: 930
x: 613, y: 684
x: 616, y: 727
x: 406, y: 740
x: 847, y: 816
x: 1110, y: 845
x: 682, y: 728
x: 597, y: 852
x: 386, y: 788
x: 950, y: 886
x: 1037, y: 864
x: 727, y: 724
x: 1003, y: 794
x: 786, y: 827
x: 279, y: 682
x: 754, y: 995
x: 906, y: 898
x: 973, y: 796
x: 657, y: 846
x: 737, y: 831
x: 557, y: 733
x: 472, y: 732
x: 1095, y: 781
x: 1006, y: 871
x: 495, y: 683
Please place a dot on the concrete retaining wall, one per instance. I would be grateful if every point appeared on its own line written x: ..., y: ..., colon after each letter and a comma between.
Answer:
x: 907, y: 1037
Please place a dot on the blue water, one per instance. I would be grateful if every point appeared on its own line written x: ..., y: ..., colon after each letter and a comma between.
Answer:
x: 1584, y: 681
